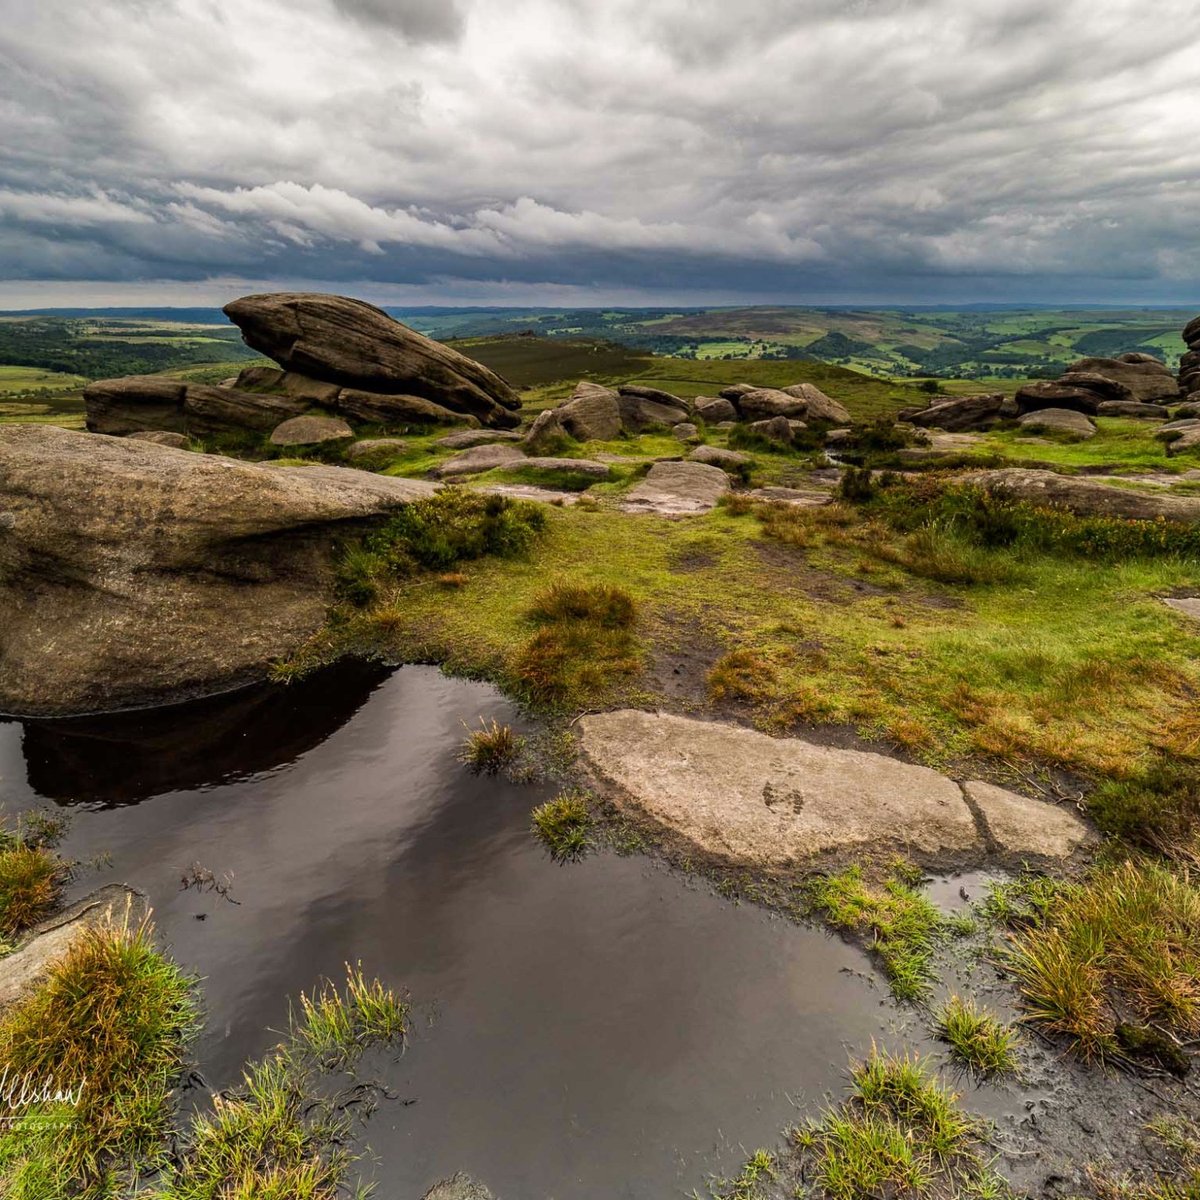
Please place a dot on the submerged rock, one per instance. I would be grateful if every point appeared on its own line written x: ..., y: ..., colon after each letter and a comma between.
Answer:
x: 458, y: 1187
x: 133, y: 574
x: 356, y: 345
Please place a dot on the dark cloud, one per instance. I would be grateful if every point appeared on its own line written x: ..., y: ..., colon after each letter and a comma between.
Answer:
x: 818, y: 149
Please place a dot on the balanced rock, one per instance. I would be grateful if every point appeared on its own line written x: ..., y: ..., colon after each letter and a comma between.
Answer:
x: 714, y: 409
x: 157, y: 574
x: 1084, y: 496
x: 963, y: 412
x: 817, y: 405
x: 356, y: 345
x: 1062, y: 422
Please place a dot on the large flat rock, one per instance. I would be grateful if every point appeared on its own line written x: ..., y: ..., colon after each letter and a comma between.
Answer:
x: 134, y: 574
x: 1086, y: 497
x: 748, y: 798
x: 678, y: 489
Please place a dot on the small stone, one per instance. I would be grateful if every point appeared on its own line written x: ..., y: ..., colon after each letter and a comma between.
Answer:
x: 1023, y: 826
x: 685, y: 431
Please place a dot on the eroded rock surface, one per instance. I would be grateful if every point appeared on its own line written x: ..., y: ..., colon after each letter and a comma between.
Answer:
x: 746, y: 797
x: 678, y: 489
x: 1025, y: 827
x: 133, y: 574
x: 1087, y: 497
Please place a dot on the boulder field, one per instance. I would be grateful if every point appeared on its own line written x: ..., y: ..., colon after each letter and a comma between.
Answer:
x: 133, y: 573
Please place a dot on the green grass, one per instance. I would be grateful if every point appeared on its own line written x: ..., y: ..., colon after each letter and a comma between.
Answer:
x: 279, y: 1136
x: 32, y: 382
x: 563, y: 824
x: 979, y: 1040
x: 1119, y: 442
x: 1113, y: 963
x: 31, y: 874
x: 900, y: 1133
x: 490, y: 748
x: 111, y: 1021
x: 1179, y: 1140
x: 758, y: 1169
x: 902, y: 926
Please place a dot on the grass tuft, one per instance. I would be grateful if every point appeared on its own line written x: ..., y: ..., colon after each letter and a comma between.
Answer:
x: 336, y: 1025
x: 742, y: 674
x: 1113, y: 963
x: 904, y: 927
x: 490, y: 748
x: 112, y: 1019
x: 563, y: 824
x: 978, y: 1040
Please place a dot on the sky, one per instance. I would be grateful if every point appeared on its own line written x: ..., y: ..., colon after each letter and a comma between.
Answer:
x: 568, y: 152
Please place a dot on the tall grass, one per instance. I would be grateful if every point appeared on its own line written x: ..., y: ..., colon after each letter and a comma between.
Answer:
x: 114, y: 1017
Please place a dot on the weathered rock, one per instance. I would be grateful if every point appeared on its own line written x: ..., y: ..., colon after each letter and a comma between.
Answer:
x: 1085, y: 496
x: 1191, y: 331
x: 1104, y: 386
x: 733, y: 461
x: 310, y: 431
x: 678, y: 489
x: 1146, y: 381
x: 582, y: 470
x: 685, y: 431
x: 764, y: 403
x: 1036, y: 396
x: 818, y: 406
x: 216, y: 410
x: 287, y: 383
x: 1138, y: 356
x: 1062, y: 422
x: 962, y: 412
x: 735, y: 391
x: 476, y: 460
x: 1020, y: 826
x: 744, y: 797
x: 777, y: 429
x: 135, y: 403
x: 1187, y: 442
x: 837, y: 439
x: 798, y: 497
x: 593, y: 413
x: 135, y: 574
x: 639, y: 413
x: 357, y: 345
x: 714, y: 409
x: 377, y: 409
x: 458, y: 1187
x: 546, y: 434
x: 160, y: 437
x: 25, y: 968
x: 1188, y: 411
x: 1164, y: 432
x: 653, y: 394
x: 372, y: 450
x: 464, y: 439
x: 1133, y: 408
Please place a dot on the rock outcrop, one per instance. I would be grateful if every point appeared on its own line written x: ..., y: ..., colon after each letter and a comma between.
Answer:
x: 593, y: 413
x: 678, y: 489
x: 961, y: 412
x: 1061, y: 422
x: 356, y: 345
x: 1084, y: 496
x: 135, y: 574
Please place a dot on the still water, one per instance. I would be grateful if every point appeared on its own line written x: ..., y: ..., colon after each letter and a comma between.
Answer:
x: 601, y: 1030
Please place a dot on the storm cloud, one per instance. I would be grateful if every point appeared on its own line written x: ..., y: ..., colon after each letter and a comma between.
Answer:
x: 561, y: 150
